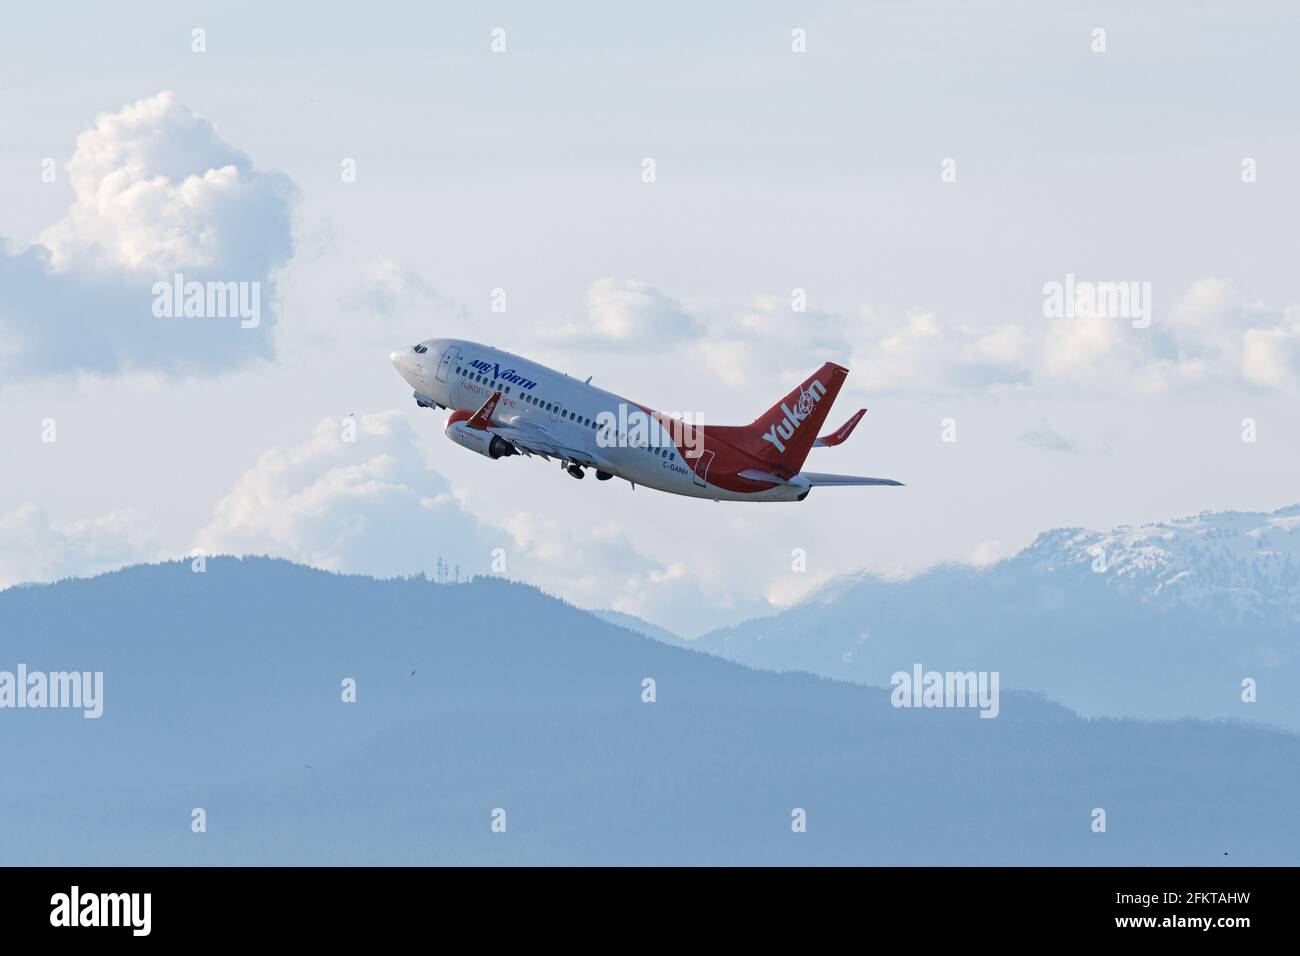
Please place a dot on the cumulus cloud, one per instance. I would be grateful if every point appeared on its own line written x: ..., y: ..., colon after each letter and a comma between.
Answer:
x: 918, y: 352
x: 156, y: 193
x: 618, y: 576
x: 623, y: 312
x: 366, y: 505
x: 34, y: 549
x: 356, y: 496
x: 921, y: 353
x: 767, y: 338
x: 1212, y: 336
x: 372, y: 506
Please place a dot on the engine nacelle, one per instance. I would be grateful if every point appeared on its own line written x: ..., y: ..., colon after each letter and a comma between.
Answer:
x: 476, y: 439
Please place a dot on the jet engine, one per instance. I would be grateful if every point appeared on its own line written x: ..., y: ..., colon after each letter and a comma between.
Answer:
x: 477, y: 439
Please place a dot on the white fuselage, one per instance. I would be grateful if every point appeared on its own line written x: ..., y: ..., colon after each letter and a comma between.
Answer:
x: 462, y: 375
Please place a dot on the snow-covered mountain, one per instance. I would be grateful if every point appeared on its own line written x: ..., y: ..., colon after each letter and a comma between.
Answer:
x: 1243, y: 565
x: 1163, y: 620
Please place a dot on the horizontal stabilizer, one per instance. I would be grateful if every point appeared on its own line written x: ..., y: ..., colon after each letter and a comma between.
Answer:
x: 757, y: 474
x: 841, y: 433
x: 817, y: 480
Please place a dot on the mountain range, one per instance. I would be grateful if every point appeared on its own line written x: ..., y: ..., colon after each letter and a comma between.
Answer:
x: 1165, y: 620
x: 490, y: 702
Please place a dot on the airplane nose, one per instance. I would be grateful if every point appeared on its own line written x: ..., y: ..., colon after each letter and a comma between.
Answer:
x: 396, y: 359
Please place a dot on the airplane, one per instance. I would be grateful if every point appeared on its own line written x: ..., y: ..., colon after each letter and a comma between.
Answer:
x: 503, y: 405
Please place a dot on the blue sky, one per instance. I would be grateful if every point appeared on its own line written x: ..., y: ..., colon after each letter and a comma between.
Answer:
x: 522, y: 170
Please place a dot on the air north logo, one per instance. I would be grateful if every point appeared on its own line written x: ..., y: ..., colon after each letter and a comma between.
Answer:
x: 494, y: 371
x: 784, y: 430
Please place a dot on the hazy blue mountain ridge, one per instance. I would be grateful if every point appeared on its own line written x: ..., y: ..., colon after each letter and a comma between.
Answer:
x: 222, y: 691
x: 1161, y: 621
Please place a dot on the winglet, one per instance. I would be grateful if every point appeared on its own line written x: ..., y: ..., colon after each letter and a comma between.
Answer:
x: 482, y: 418
x: 841, y: 433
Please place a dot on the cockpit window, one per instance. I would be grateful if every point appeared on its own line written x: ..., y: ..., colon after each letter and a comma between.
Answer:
x: 420, y: 348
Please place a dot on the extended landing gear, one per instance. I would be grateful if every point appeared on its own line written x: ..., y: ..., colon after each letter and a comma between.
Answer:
x: 603, y: 475
x: 576, y: 471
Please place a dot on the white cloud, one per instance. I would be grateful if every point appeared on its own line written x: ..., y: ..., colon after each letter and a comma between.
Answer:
x: 1212, y: 336
x: 624, y: 312
x: 1271, y: 357
x: 921, y: 353
x: 917, y: 353
x: 388, y: 288
x: 368, y: 506
x: 766, y: 339
x: 156, y: 192
x: 617, y: 575
x: 34, y: 549
x: 372, y: 506
x: 986, y: 553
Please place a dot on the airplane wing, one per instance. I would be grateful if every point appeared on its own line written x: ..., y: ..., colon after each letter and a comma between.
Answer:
x: 816, y: 480
x: 532, y: 439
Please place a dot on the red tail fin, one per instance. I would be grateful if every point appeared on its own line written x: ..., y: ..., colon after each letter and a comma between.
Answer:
x: 782, y: 436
